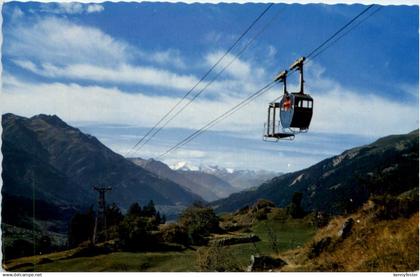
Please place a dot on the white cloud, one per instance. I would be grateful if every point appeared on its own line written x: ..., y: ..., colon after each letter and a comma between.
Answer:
x: 93, y: 8
x: 59, y: 41
x: 238, y: 69
x: 25, y: 64
x: 238, y: 157
x: 410, y: 89
x: 16, y: 13
x: 337, y: 110
x: 98, y: 104
x: 56, y: 48
x: 86, y: 53
x: 341, y: 110
x: 120, y: 74
x: 168, y: 57
x: 71, y: 8
x: 212, y: 37
x: 272, y: 51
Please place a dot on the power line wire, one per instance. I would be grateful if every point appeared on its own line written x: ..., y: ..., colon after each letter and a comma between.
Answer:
x: 307, y: 61
x: 266, y: 87
x: 339, y: 31
x: 220, y: 117
x: 238, y: 54
x: 203, y: 77
x: 348, y: 31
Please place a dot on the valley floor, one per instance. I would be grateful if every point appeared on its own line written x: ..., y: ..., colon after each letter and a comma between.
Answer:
x: 374, y: 244
x: 289, y: 235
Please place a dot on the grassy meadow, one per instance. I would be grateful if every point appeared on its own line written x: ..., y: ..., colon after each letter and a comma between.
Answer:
x: 290, y: 234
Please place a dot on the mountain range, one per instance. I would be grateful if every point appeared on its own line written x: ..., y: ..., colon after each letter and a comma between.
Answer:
x: 48, y: 162
x: 344, y: 182
x: 239, y: 179
x: 46, y: 159
x: 210, y: 182
x: 207, y: 186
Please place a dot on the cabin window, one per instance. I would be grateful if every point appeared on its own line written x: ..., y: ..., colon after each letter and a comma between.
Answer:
x: 304, y: 104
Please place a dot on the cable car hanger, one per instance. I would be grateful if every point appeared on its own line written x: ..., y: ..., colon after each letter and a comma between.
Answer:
x: 294, y: 109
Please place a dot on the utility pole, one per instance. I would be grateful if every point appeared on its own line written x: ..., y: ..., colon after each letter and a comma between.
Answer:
x: 100, y: 220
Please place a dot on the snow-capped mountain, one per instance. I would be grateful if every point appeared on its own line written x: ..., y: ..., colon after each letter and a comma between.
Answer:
x: 211, y: 182
x: 238, y: 178
x: 215, y: 169
x: 184, y: 166
x: 208, y: 186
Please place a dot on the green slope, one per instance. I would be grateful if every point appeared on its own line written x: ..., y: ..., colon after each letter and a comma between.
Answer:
x: 344, y: 182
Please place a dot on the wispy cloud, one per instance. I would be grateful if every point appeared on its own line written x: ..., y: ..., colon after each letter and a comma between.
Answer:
x: 410, y: 89
x: 112, y: 105
x: 336, y: 110
x: 94, y: 8
x: 341, y: 110
x: 237, y: 68
x: 71, y: 8
x: 120, y: 74
x: 86, y: 53
x: 58, y: 41
x: 216, y: 148
x: 16, y: 13
x: 70, y: 55
x: 169, y: 57
x: 28, y: 65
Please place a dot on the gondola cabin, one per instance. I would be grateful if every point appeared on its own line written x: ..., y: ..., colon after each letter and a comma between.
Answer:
x: 296, y: 111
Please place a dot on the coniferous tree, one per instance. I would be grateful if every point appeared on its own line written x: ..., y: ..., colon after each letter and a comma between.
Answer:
x: 135, y: 209
x: 113, y: 215
x: 81, y: 227
x: 295, y: 209
x: 149, y: 210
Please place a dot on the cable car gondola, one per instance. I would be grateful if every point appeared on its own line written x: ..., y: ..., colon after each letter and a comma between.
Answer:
x: 294, y: 109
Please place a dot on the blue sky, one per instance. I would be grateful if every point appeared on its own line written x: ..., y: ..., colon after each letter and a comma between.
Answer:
x: 113, y: 69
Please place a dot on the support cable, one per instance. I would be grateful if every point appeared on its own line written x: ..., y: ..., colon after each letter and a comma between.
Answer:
x: 202, y: 78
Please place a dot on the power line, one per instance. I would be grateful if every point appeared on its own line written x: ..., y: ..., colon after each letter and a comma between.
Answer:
x: 308, y: 56
x: 348, y: 31
x: 266, y: 87
x: 220, y: 117
x: 238, y: 54
x: 203, y: 77
x: 307, y: 61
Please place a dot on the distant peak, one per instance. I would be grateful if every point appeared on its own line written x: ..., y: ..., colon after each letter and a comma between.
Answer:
x: 51, y: 119
x: 184, y: 166
x: 46, y: 116
x: 11, y: 116
x: 215, y: 168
